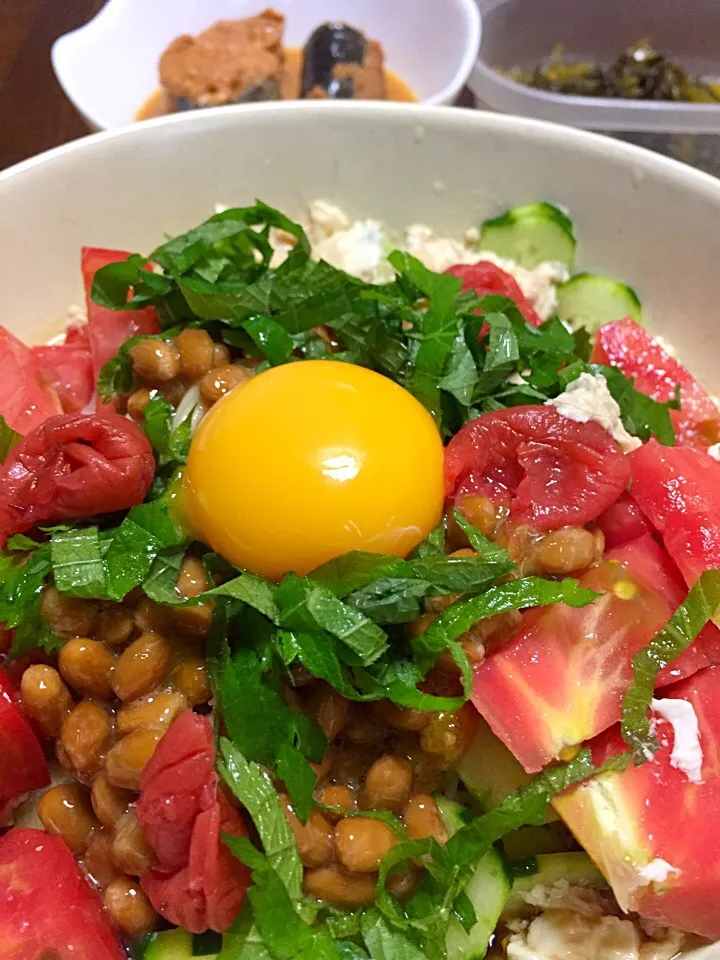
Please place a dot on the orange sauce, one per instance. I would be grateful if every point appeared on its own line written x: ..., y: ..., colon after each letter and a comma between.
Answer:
x: 159, y: 103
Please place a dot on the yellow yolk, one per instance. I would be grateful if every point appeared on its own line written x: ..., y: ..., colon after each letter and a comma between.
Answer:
x: 308, y: 461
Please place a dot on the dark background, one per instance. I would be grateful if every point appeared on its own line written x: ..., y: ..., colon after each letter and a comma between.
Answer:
x: 34, y: 112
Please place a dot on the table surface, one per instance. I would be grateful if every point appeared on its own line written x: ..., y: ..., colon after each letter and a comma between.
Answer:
x: 35, y: 114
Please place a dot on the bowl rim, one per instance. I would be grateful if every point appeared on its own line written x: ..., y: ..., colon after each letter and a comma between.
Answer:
x: 469, y: 8
x: 432, y: 116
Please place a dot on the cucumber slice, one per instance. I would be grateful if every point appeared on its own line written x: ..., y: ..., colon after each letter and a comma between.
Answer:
x: 531, y: 234
x: 488, y: 769
x: 577, y: 868
x: 530, y: 841
x: 488, y: 891
x: 173, y: 945
x: 454, y: 814
x: 590, y: 301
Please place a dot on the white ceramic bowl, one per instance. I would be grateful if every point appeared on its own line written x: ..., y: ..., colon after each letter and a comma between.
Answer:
x: 638, y: 216
x: 109, y: 66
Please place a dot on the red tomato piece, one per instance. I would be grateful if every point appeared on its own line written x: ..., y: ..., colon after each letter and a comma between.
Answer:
x: 74, y: 465
x: 109, y: 329
x: 627, y: 345
x: 47, y: 907
x: 549, y: 470
x: 653, y: 566
x: 67, y: 367
x: 24, y: 401
x: 23, y: 766
x: 560, y: 680
x: 678, y: 490
x: 622, y: 522
x: 197, y: 884
x: 487, y: 278
x: 654, y: 812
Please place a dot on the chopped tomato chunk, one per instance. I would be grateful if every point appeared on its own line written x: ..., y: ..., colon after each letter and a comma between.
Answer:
x: 549, y: 470
x: 23, y: 766
x: 654, y: 814
x: 678, y: 490
x: 487, y: 278
x: 653, y: 566
x: 197, y: 884
x: 560, y: 680
x: 25, y: 402
x: 74, y: 465
x: 627, y: 345
x: 622, y: 522
x: 109, y: 329
x: 47, y: 907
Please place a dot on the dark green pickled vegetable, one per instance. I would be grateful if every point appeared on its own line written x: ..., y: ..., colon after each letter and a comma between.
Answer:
x: 330, y: 46
x: 639, y: 73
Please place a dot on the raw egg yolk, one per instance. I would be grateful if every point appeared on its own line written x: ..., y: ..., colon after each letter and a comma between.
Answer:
x: 308, y: 461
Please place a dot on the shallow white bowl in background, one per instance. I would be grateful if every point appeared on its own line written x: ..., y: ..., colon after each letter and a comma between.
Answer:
x: 108, y: 67
x: 638, y: 216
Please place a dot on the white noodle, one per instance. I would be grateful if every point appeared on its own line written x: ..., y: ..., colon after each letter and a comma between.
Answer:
x: 186, y: 406
x: 198, y: 413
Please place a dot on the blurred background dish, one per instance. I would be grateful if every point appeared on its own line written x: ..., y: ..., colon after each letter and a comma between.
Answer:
x: 109, y: 67
x: 520, y: 35
x: 248, y: 61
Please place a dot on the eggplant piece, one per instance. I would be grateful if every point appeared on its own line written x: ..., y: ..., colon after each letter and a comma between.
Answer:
x: 330, y: 46
x: 269, y: 90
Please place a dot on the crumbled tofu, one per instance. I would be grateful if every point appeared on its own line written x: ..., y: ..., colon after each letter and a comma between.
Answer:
x: 588, y: 398
x: 325, y: 219
x: 658, y: 871
x: 561, y: 895
x: 538, y: 285
x: 282, y: 243
x: 76, y: 316
x: 687, y: 754
x: 714, y: 451
x: 359, y: 250
x: 438, y: 253
x: 565, y: 935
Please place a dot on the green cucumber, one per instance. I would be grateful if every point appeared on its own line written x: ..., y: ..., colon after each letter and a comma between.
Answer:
x: 589, y: 301
x: 454, y: 814
x: 526, y: 842
x: 488, y: 769
x: 531, y: 234
x: 576, y: 868
x: 488, y: 890
x: 175, y: 944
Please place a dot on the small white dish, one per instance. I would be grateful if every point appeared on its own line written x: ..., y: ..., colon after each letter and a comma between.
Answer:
x: 108, y: 67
